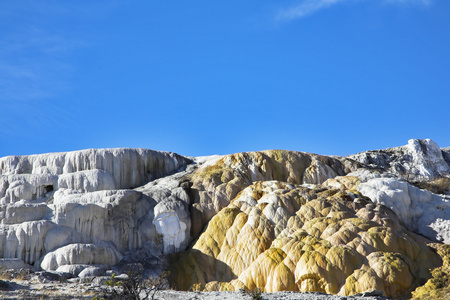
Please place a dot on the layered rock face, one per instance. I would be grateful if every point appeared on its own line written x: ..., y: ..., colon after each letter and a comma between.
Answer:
x: 274, y: 220
x: 80, y: 207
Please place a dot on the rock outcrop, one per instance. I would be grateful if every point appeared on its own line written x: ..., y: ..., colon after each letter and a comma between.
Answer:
x: 61, y: 208
x: 279, y: 242
x: 213, y: 187
x: 421, y: 210
x: 78, y: 254
x: 419, y: 160
x: 274, y: 220
x: 278, y: 236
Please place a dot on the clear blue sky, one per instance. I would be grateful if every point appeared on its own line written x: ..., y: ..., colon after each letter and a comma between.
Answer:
x: 218, y: 77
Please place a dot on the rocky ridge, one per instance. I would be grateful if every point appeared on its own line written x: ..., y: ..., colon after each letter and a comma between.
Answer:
x: 273, y: 220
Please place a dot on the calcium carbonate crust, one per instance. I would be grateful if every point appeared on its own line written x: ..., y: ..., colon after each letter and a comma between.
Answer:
x: 274, y: 220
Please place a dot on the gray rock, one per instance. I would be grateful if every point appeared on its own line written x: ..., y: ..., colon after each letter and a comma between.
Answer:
x: 88, y: 254
x: 13, y: 263
x: 418, y: 160
x: 92, y: 272
x: 45, y: 276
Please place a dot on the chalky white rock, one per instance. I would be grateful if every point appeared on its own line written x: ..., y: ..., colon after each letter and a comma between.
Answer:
x: 66, y: 211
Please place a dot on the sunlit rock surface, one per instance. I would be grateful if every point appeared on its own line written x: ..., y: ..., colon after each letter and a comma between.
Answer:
x: 279, y: 236
x: 213, y: 187
x: 274, y: 220
x: 418, y: 160
x: 75, y: 254
x: 50, y: 201
x: 421, y: 211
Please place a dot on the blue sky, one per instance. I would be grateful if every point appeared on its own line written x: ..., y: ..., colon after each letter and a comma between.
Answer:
x: 218, y: 77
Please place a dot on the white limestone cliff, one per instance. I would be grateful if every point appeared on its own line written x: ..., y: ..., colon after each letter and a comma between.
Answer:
x: 25, y: 187
x: 80, y: 198
x: 129, y: 168
x: 87, y: 181
x: 67, y: 211
x: 427, y: 159
x: 421, y: 210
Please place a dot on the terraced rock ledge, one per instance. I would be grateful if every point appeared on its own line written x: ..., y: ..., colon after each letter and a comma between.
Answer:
x: 276, y: 221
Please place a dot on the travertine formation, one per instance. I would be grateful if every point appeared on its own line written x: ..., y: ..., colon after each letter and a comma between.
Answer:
x: 213, y: 187
x: 327, y: 235
x: 274, y: 220
x: 80, y: 207
x: 418, y: 160
x: 421, y: 210
x: 278, y: 236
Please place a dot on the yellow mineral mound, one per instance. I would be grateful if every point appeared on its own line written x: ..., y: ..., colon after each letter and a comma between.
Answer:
x: 438, y: 287
x: 213, y: 187
x: 282, y: 236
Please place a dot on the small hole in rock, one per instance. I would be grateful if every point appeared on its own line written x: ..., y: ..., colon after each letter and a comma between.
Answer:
x: 48, y: 188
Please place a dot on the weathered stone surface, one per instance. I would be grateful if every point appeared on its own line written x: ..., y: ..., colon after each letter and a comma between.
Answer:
x: 275, y: 220
x: 52, y: 200
x: 87, y: 254
x: 214, y: 186
x: 129, y: 167
x: 420, y: 210
x: 92, y: 271
x: 278, y: 236
x: 419, y: 160
x: 168, y: 224
x: 87, y: 181
x: 74, y: 270
x: 446, y: 154
x: 13, y: 263
x: 25, y: 187
x: 25, y: 240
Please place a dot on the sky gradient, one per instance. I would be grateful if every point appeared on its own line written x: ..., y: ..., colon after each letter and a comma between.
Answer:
x: 198, y: 78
